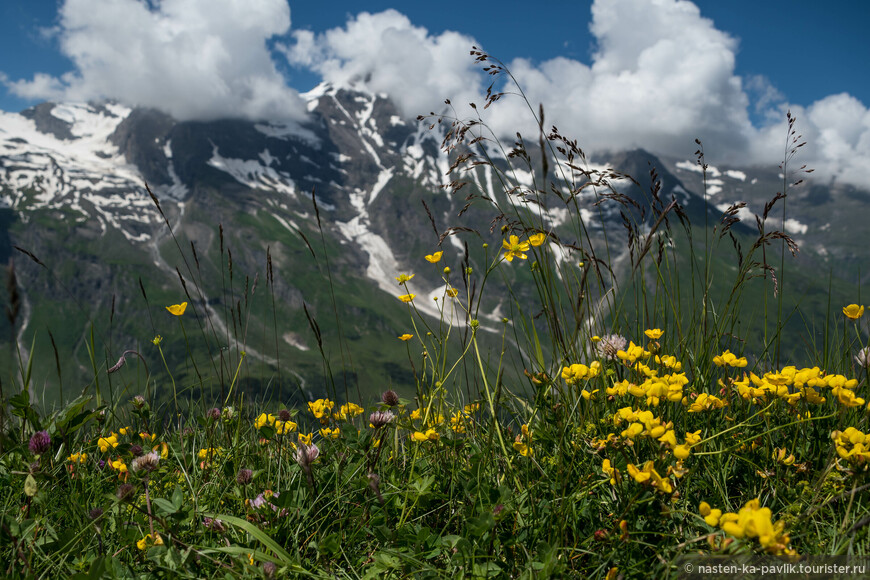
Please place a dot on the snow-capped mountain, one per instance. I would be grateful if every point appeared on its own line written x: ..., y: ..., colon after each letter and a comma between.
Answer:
x: 72, y: 193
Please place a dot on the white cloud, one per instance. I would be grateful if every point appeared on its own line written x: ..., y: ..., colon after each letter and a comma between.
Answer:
x: 384, y: 52
x: 195, y: 59
x: 661, y: 76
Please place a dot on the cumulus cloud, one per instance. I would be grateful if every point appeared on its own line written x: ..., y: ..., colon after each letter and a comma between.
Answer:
x: 385, y: 53
x: 661, y: 75
x: 195, y: 59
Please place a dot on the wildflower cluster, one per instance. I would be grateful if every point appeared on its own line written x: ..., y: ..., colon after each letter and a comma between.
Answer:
x: 751, y: 521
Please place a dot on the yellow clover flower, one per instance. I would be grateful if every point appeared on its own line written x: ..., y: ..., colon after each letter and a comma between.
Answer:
x: 177, y: 309
x: 147, y: 542
x: 78, y: 457
x: 106, y: 443
x: 263, y: 420
x: 429, y: 435
x: 328, y: 433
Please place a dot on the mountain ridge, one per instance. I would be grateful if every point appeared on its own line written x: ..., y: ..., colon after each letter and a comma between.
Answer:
x: 72, y: 178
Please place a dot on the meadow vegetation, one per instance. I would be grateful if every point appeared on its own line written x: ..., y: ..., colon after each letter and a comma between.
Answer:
x: 620, y: 422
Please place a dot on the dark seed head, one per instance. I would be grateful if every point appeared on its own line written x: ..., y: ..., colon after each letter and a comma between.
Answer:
x: 390, y: 398
x: 244, y: 476
x: 125, y: 492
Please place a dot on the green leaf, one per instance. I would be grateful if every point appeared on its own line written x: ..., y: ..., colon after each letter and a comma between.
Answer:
x: 30, y: 487
x: 258, y: 534
x: 164, y: 505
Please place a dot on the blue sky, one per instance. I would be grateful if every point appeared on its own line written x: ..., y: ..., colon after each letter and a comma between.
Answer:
x: 651, y: 73
x: 807, y: 49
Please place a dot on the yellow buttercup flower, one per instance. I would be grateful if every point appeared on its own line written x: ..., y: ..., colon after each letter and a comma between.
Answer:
x: 406, y: 337
x: 515, y: 249
x: 853, y: 311
x: 537, y: 239
x: 177, y: 309
x: 407, y: 297
x: 402, y: 278
x: 434, y: 258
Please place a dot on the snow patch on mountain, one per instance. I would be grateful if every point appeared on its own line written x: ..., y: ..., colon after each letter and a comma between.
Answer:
x: 289, y: 131
x: 86, y: 174
x: 253, y: 174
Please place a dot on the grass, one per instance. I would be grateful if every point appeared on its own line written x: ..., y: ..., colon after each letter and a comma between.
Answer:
x: 623, y: 412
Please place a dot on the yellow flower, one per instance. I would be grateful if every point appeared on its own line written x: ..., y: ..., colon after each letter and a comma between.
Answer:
x: 146, y: 542
x: 105, y: 443
x: 428, y: 435
x: 406, y: 337
x: 611, y: 472
x: 282, y: 427
x: 263, y: 420
x: 537, y: 239
x: 328, y: 433
x: 452, y: 292
x: 177, y: 309
x: 682, y: 451
x: 118, y: 465
x: 402, y: 278
x: 407, y: 297
x: 348, y: 411
x: 78, y: 457
x: 434, y: 258
x: 522, y: 448
x: 320, y: 408
x: 164, y: 450
x: 305, y: 439
x: 729, y: 359
x: 654, y: 333
x: 853, y: 311
x: 515, y: 249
